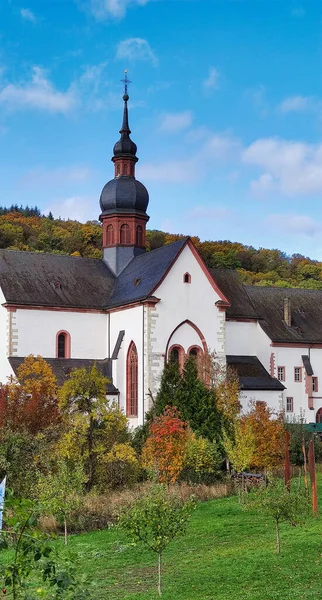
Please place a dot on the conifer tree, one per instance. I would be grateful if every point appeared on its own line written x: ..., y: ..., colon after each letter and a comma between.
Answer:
x: 197, y: 403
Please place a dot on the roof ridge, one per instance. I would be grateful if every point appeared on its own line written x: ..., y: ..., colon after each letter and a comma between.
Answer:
x: 40, y: 252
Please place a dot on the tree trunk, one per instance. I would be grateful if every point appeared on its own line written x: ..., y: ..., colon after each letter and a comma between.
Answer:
x: 65, y: 530
x: 159, y: 574
x: 278, y: 541
x: 305, y: 468
x: 300, y: 477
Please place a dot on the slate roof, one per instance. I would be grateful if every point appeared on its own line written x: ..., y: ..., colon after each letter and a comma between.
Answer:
x: 29, y: 278
x: 138, y: 280
x: 62, y: 368
x: 230, y: 284
x: 252, y: 375
x: 307, y: 364
x: 306, y: 312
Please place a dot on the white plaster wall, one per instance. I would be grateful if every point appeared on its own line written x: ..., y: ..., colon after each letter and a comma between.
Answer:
x: 274, y: 399
x: 130, y: 320
x: 185, y: 336
x: 5, y: 369
x: 37, y: 331
x: 241, y: 338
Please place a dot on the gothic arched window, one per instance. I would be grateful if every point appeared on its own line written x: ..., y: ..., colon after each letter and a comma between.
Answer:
x: 63, y: 344
x: 177, y: 354
x: 125, y: 234
x: 132, y: 382
x: 110, y: 235
x: 139, y: 236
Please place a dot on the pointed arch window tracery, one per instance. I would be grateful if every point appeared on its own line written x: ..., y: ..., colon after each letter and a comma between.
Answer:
x: 110, y: 235
x: 132, y: 382
x: 139, y: 236
x: 125, y: 234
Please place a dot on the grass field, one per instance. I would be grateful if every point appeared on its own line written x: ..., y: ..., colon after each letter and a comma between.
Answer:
x: 227, y: 554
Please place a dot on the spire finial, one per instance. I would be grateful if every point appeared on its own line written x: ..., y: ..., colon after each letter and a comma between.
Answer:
x: 126, y: 82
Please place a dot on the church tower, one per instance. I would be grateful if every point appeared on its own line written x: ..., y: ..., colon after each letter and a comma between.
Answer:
x: 124, y: 201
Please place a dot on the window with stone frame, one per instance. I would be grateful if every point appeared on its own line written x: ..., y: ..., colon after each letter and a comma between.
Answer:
x: 281, y: 373
x: 315, y: 384
x: 289, y: 404
x: 297, y: 374
x: 132, y: 382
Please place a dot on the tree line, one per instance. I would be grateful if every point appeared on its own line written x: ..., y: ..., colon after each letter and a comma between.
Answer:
x: 26, y: 228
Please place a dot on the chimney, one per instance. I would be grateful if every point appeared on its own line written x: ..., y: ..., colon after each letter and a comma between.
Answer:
x: 287, y: 312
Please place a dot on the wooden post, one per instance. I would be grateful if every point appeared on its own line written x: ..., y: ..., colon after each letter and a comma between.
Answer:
x: 312, y: 478
x: 305, y: 467
x: 287, y: 461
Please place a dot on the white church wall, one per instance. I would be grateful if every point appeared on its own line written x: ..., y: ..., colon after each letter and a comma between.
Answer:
x: 274, y: 399
x: 181, y: 301
x: 241, y: 338
x: 5, y: 317
x: 37, y: 330
x: 131, y: 321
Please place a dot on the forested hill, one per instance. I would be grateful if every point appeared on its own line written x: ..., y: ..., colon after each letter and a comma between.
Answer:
x: 27, y: 229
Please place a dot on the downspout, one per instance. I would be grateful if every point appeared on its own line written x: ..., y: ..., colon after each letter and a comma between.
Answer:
x: 143, y: 420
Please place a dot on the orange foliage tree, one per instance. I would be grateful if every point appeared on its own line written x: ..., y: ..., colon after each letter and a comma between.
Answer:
x: 30, y: 400
x: 164, y: 449
x: 268, y: 430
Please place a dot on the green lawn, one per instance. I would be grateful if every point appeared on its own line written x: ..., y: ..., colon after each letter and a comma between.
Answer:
x: 227, y: 554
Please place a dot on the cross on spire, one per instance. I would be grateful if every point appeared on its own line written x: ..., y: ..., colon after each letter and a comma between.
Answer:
x: 126, y: 82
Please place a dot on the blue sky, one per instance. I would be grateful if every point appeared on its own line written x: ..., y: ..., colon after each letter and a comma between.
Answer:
x: 225, y: 107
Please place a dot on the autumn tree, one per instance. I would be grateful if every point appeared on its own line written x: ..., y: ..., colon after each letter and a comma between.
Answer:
x: 164, y: 450
x: 268, y: 431
x: 240, y: 447
x: 30, y: 400
x: 92, y: 425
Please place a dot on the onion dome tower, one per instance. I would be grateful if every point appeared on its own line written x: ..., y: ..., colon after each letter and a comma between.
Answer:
x: 124, y: 201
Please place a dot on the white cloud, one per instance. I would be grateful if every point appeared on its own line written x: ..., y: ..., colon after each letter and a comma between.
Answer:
x: 54, y: 177
x: 212, y: 81
x: 174, y: 171
x: 290, y: 223
x: 78, y: 208
x: 134, y: 49
x: 294, y: 168
x: 39, y: 92
x: 116, y: 9
x: 258, y: 97
x: 27, y: 15
x: 176, y: 121
x: 213, y: 151
x: 296, y: 104
x: 208, y: 212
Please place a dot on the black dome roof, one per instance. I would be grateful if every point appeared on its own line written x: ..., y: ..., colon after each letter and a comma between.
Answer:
x: 124, y: 194
x: 125, y: 146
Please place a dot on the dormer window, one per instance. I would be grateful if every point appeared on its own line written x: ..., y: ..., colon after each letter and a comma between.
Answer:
x: 187, y: 278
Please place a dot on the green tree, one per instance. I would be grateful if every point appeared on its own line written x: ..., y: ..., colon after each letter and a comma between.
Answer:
x: 240, y: 449
x: 279, y: 504
x: 33, y: 566
x: 167, y: 393
x: 155, y: 520
x: 197, y: 403
x: 59, y: 491
x: 91, y: 424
